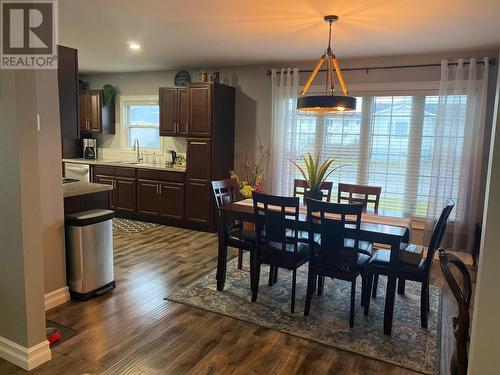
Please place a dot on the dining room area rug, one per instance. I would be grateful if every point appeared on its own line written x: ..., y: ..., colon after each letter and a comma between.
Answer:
x: 410, y: 346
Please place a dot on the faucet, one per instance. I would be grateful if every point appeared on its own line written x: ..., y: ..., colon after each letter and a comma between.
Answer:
x: 136, y: 148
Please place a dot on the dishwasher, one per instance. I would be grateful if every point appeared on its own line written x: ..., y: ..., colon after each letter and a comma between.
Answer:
x: 80, y: 172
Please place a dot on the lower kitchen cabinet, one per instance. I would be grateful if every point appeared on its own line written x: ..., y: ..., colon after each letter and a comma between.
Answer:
x: 160, y: 198
x: 108, y: 180
x: 148, y: 197
x: 125, y: 191
x: 199, y: 201
x: 172, y: 200
x: 123, y: 196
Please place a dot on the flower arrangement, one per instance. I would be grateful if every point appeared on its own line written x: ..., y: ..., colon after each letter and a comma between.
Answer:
x: 252, y: 175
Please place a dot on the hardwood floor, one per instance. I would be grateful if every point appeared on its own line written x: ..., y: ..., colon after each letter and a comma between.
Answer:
x: 132, y: 330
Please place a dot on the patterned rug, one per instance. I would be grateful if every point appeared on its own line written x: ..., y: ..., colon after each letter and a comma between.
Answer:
x: 410, y: 346
x: 131, y: 226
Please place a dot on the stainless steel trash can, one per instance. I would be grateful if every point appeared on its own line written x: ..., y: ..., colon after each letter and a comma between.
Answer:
x: 89, y: 253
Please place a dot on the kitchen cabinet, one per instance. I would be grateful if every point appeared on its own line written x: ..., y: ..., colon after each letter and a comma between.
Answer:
x: 173, y: 111
x: 210, y: 148
x: 198, y: 192
x: 67, y: 78
x: 148, y: 197
x: 160, y: 193
x: 172, y: 200
x: 200, y: 109
x: 123, y: 196
x: 94, y: 116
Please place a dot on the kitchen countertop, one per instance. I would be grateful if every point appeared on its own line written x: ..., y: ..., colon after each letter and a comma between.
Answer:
x: 74, y: 189
x: 128, y: 164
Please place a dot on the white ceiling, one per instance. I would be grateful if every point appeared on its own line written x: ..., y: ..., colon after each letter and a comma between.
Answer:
x: 193, y: 33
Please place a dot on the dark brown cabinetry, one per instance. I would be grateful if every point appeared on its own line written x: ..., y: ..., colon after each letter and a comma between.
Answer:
x: 200, y: 109
x: 67, y: 77
x: 123, y: 196
x: 210, y: 148
x: 173, y: 111
x: 94, y: 116
x: 160, y: 193
x: 198, y: 195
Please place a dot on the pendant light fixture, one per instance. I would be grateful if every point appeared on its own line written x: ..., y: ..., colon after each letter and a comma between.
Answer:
x: 328, y: 104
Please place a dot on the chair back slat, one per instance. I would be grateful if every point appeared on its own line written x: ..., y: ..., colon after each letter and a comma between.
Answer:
x: 300, y: 187
x: 225, y: 192
x: 363, y: 194
x: 276, y: 220
x: 329, y: 221
x: 438, y: 233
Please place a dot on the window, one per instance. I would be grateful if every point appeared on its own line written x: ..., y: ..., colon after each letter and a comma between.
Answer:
x: 141, y: 122
x: 388, y: 142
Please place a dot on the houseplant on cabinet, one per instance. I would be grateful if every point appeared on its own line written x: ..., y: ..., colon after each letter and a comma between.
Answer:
x: 315, y: 173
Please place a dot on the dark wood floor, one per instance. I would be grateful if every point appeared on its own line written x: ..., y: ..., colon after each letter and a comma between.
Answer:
x: 134, y: 331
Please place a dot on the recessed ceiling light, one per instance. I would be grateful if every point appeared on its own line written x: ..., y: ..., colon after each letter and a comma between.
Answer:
x: 134, y: 46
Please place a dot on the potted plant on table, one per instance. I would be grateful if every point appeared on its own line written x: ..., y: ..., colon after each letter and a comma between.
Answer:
x: 315, y: 173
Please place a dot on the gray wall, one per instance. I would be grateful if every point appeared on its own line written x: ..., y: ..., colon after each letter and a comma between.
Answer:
x: 485, y: 338
x: 52, y: 209
x: 253, y: 98
x: 22, y: 317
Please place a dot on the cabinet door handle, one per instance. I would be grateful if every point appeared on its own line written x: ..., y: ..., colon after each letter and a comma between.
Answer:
x: 160, y: 189
x: 157, y: 191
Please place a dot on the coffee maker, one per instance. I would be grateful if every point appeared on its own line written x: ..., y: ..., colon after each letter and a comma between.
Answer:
x: 89, y: 148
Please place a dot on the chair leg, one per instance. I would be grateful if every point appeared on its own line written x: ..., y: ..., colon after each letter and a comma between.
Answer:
x: 294, y: 283
x: 275, y: 280
x: 271, y: 275
x: 375, y: 285
x: 240, y: 259
x: 353, y: 302
x: 427, y: 295
x: 321, y: 285
x: 368, y: 292
x: 401, y: 286
x: 311, y: 285
x: 256, y: 278
x: 423, y: 305
x: 363, y: 289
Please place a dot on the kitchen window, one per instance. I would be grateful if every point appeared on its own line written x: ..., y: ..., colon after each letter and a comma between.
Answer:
x: 141, y: 119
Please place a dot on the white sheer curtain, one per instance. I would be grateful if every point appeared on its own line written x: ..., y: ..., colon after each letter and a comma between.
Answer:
x: 457, y: 152
x: 285, y: 88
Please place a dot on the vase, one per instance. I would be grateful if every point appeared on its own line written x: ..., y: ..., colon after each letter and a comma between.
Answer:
x: 313, y: 194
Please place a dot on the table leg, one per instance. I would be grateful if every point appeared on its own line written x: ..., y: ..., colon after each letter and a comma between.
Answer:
x: 222, y: 252
x: 390, y: 296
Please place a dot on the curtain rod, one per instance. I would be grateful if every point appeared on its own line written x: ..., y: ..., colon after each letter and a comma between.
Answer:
x: 492, y: 62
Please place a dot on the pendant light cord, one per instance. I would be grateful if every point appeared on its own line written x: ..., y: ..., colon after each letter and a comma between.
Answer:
x: 330, y: 36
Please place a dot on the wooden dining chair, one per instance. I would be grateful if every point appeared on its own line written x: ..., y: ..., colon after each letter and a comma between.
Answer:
x: 364, y: 194
x: 462, y: 291
x: 334, y: 254
x: 381, y: 261
x: 227, y: 192
x: 277, y: 240
x: 300, y: 187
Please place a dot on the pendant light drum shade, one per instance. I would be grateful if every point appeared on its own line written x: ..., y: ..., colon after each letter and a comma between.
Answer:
x: 325, y: 105
x: 328, y: 104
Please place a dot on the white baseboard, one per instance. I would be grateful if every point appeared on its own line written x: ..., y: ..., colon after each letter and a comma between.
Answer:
x: 26, y: 358
x: 56, y: 298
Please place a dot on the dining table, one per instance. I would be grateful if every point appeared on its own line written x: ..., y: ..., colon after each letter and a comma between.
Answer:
x: 381, y: 227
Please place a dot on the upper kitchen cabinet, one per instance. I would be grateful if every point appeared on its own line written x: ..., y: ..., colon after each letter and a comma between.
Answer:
x: 67, y: 76
x: 200, y: 109
x: 173, y: 112
x: 95, y: 116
